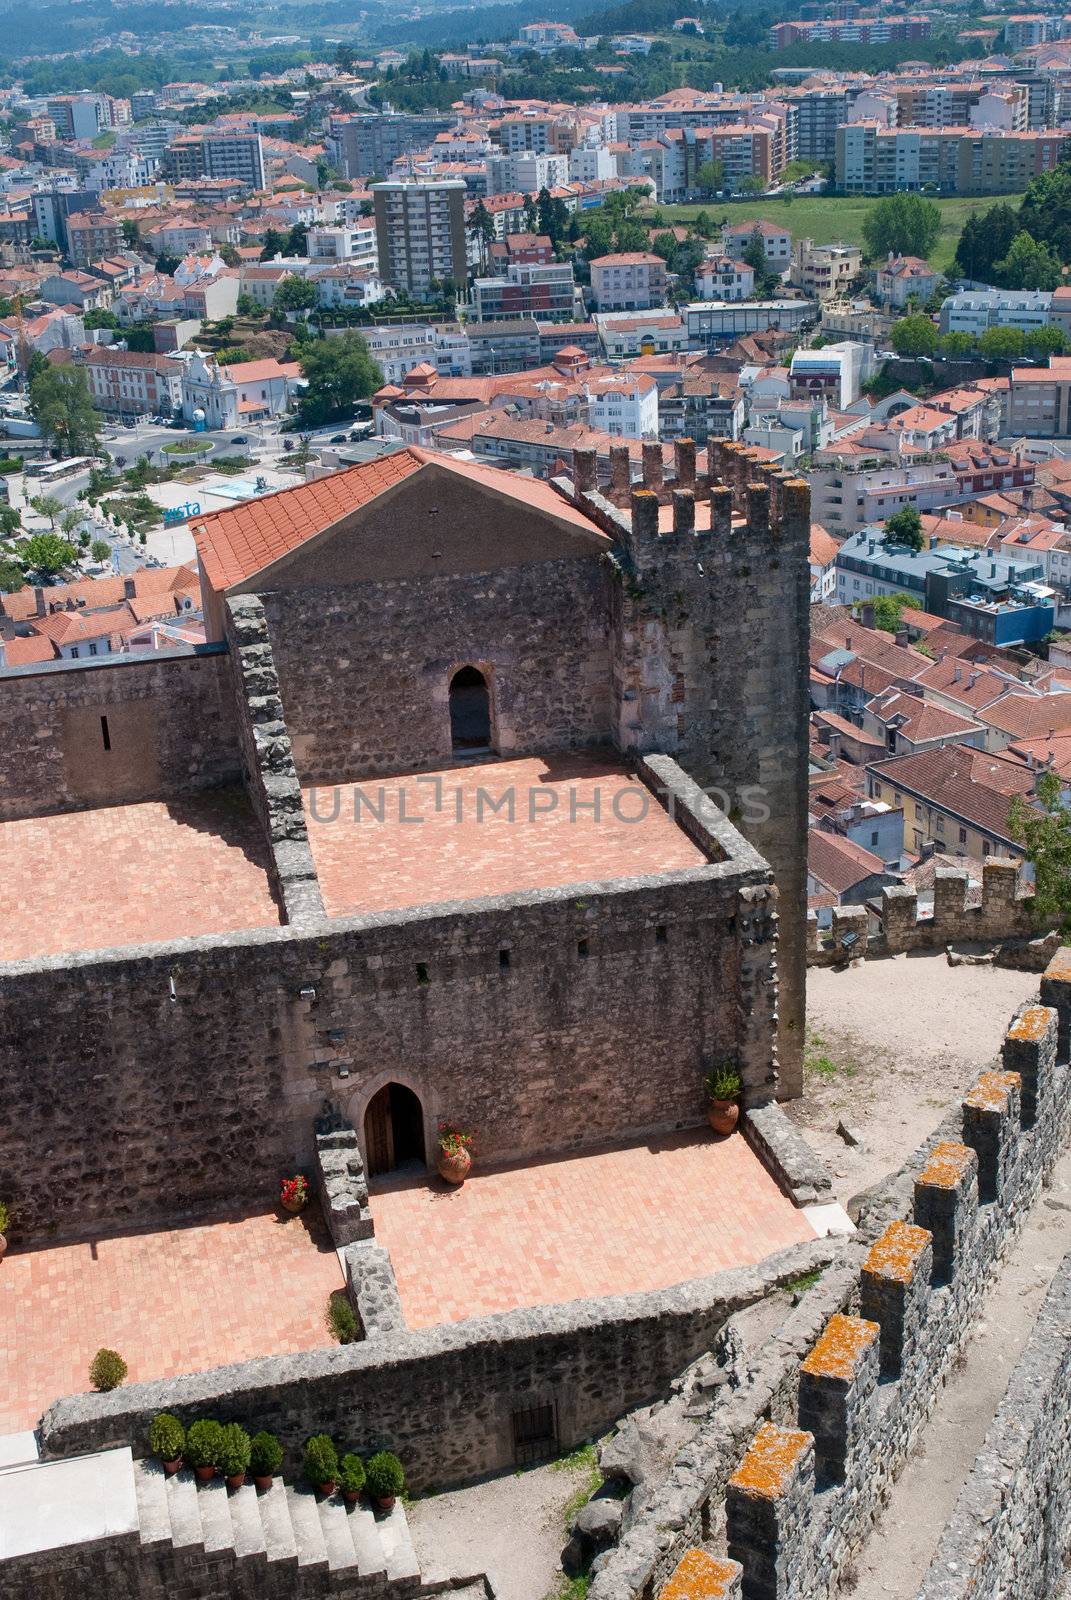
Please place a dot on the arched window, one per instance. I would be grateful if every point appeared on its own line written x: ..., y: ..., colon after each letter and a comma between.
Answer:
x: 470, y: 710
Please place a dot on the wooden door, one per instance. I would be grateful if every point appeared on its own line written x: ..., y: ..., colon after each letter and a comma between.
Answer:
x: 379, y: 1133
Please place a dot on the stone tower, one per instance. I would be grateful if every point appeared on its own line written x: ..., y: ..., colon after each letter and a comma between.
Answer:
x: 710, y: 620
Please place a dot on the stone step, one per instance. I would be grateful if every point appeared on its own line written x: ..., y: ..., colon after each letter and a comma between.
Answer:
x: 371, y: 1560
x: 249, y: 1539
x: 18, y: 1449
x: 397, y: 1543
x: 150, y: 1487
x: 185, y: 1513
x: 341, y: 1555
x: 305, y: 1516
x: 215, y: 1516
x: 280, y: 1542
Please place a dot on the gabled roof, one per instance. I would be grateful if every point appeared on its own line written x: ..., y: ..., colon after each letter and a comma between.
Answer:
x: 968, y: 783
x: 242, y: 540
x: 839, y: 863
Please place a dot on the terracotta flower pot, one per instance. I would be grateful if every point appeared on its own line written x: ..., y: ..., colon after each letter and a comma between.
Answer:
x: 236, y: 1480
x: 171, y: 1467
x: 723, y: 1115
x: 454, y: 1168
x: 326, y: 1489
x: 265, y: 1482
x: 205, y: 1474
x: 384, y: 1502
x: 293, y: 1206
x: 351, y: 1496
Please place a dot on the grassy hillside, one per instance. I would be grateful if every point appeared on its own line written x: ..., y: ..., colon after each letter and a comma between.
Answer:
x: 834, y: 219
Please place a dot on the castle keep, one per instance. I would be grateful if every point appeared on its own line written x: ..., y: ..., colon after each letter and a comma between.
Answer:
x: 448, y: 741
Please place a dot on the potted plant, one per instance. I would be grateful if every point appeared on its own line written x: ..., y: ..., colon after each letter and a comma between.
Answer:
x: 321, y: 1463
x: 167, y: 1440
x: 5, y: 1223
x: 265, y: 1458
x: 234, y: 1451
x: 203, y: 1441
x: 351, y: 1478
x: 384, y: 1478
x: 107, y: 1370
x: 293, y: 1193
x: 455, y: 1158
x: 723, y: 1085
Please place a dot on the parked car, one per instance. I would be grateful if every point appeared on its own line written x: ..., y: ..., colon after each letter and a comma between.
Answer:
x: 338, y: 438
x: 240, y: 438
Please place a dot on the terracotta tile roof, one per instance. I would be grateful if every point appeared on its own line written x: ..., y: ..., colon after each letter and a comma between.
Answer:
x: 922, y: 720
x: 1029, y: 716
x: 239, y: 541
x: 839, y: 863
x: 823, y: 546
x: 70, y: 627
x: 967, y: 783
x: 24, y: 652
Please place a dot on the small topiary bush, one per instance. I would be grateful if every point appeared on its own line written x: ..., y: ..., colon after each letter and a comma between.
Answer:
x: 234, y: 1449
x: 107, y: 1370
x: 351, y: 1474
x: 167, y: 1437
x: 203, y: 1443
x: 724, y: 1082
x: 341, y: 1318
x: 265, y: 1455
x: 321, y: 1460
x: 384, y: 1475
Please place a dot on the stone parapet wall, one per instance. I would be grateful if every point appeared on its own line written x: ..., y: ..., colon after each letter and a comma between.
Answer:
x: 926, y: 1250
x: 1009, y: 1537
x: 1005, y: 916
x: 171, y: 731
x: 444, y: 1397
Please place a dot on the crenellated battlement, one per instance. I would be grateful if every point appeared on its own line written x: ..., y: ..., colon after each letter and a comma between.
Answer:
x: 795, y: 1463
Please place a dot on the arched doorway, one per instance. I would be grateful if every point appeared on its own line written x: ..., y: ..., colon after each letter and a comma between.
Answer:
x: 393, y: 1129
x: 470, y: 710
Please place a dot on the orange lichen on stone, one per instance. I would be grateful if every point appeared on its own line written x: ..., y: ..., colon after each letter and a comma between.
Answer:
x: 699, y: 1576
x: 1060, y: 965
x: 770, y: 1462
x: 843, y: 1341
x: 948, y: 1165
x: 1033, y: 1025
x: 991, y: 1091
x: 896, y: 1253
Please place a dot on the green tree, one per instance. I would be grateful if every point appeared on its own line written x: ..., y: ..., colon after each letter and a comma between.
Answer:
x: 294, y: 294
x: 914, y: 336
x: 710, y: 177
x: 531, y: 214
x: 704, y: 225
x: 62, y: 407
x: 131, y: 234
x: 598, y: 236
x: 100, y: 550
x: 272, y: 244
x: 754, y: 183
x: 1028, y: 265
x: 903, y: 225
x: 905, y: 527
x: 47, y: 554
x: 1002, y: 344
x: 100, y: 319
x: 630, y: 235
x: 228, y: 253
x: 338, y: 373
x: 956, y: 345
x: 167, y: 265
x: 297, y: 241
x: 68, y: 522
x: 888, y: 609
x: 47, y: 505
x: 1048, y: 340
x: 303, y: 454
x: 11, y: 576
x: 10, y: 521
x: 984, y: 240
x: 481, y: 228
x: 1045, y: 834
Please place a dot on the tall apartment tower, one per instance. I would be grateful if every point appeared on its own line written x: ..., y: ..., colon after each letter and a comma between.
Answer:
x: 420, y: 230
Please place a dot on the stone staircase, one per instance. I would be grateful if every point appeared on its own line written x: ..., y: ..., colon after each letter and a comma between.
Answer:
x: 291, y: 1539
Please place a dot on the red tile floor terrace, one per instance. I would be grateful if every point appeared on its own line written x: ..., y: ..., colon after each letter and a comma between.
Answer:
x: 169, y: 1302
x: 612, y: 1221
x: 88, y: 880
x: 463, y: 847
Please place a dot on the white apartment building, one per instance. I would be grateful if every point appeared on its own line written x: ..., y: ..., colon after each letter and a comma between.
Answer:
x: 626, y: 406
x: 526, y: 173
x: 978, y: 309
x: 723, y: 278
x: 355, y: 244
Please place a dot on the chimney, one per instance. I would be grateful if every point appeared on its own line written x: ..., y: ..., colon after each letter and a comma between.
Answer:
x: 130, y: 589
x: 652, y: 464
x: 956, y: 673
x: 683, y: 511
x: 39, y: 603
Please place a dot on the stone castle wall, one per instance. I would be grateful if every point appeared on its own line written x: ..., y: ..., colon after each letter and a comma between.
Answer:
x: 171, y: 728
x: 790, y: 1469
x: 210, y: 1101
x: 444, y: 1397
x: 1010, y: 1535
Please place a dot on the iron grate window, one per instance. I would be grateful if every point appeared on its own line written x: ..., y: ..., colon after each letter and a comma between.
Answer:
x: 535, y: 1434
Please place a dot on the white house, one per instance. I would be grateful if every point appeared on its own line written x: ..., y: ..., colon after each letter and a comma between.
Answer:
x: 247, y: 391
x: 776, y: 242
x: 626, y: 405
x: 725, y: 277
